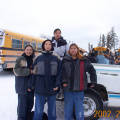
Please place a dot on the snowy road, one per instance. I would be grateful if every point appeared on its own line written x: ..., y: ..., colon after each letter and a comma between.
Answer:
x: 8, y: 100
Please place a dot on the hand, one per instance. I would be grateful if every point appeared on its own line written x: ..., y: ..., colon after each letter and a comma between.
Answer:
x: 64, y: 85
x: 92, y: 86
x: 29, y: 90
x: 55, y: 88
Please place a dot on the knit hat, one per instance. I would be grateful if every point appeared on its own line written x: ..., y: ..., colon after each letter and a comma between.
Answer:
x: 44, y: 44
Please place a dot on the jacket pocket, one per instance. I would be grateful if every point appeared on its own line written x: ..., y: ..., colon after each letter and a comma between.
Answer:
x: 54, y: 68
x: 40, y: 68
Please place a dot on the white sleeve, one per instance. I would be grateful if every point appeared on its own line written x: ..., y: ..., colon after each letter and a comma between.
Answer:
x: 66, y: 49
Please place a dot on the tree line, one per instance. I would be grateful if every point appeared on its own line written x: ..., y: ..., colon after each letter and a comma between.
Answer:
x: 110, y: 41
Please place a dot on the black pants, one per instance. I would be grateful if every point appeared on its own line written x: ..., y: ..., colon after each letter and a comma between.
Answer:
x: 25, y: 105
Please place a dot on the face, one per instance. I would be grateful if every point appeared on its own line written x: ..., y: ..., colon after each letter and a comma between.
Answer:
x: 47, y: 46
x: 28, y: 51
x: 57, y: 34
x: 73, y: 50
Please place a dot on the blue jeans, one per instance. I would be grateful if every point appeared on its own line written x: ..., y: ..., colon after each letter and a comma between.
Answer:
x: 39, y: 107
x: 71, y: 99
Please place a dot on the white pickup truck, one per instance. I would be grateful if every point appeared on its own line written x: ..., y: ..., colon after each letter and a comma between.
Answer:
x: 106, y: 91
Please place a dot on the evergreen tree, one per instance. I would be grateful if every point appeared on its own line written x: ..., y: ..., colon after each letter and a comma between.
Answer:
x: 103, y: 40
x: 110, y: 41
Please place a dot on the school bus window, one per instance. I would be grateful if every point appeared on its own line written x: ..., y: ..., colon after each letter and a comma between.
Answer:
x: 26, y: 43
x: 106, y: 52
x: 39, y: 46
x: 16, y: 43
x: 34, y: 45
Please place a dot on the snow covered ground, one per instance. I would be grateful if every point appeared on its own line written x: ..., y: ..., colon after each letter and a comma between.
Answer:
x: 8, y: 97
x: 8, y: 100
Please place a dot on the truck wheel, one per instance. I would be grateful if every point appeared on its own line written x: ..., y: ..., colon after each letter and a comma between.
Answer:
x: 91, y: 103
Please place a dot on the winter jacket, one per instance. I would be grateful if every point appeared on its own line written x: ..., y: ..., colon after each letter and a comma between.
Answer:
x: 47, y: 73
x: 22, y: 73
x: 92, y: 59
x: 101, y: 59
x: 111, y: 60
x: 61, y: 47
x: 107, y: 61
x: 80, y: 76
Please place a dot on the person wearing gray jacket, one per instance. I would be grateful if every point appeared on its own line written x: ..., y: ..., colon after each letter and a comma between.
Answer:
x: 23, y: 71
x: 74, y: 81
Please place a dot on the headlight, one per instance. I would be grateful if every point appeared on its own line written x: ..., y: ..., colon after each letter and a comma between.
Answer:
x: 2, y: 33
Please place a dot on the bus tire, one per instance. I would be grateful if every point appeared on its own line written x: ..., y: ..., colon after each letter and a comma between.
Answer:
x: 91, y: 104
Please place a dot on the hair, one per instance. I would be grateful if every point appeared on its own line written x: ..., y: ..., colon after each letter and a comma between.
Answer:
x: 100, y: 53
x: 79, y: 55
x: 29, y: 46
x: 106, y: 56
x: 57, y: 30
x: 52, y: 49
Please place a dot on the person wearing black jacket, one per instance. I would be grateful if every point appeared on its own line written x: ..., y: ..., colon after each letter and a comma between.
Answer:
x: 74, y: 81
x: 22, y: 71
x: 92, y: 58
x: 46, y: 80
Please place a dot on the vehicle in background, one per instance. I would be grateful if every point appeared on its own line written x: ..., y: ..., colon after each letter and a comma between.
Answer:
x: 12, y: 46
x: 105, y: 92
x: 103, y: 49
x: 117, y: 52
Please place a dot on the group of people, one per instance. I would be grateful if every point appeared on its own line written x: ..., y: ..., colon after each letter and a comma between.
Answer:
x: 58, y: 66
x: 101, y: 58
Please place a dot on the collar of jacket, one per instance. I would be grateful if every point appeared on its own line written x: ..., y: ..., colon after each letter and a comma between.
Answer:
x: 68, y: 57
x: 60, y: 39
x: 47, y: 51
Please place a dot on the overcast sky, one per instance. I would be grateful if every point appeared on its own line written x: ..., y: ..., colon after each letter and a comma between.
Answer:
x: 81, y: 21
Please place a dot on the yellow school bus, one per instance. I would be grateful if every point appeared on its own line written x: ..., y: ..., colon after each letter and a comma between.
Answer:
x: 103, y: 49
x: 12, y: 46
x: 118, y: 53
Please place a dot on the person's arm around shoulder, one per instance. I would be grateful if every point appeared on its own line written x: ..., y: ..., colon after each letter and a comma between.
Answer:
x: 32, y: 78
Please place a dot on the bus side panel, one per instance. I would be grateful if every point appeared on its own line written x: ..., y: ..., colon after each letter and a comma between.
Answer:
x: 8, y: 42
